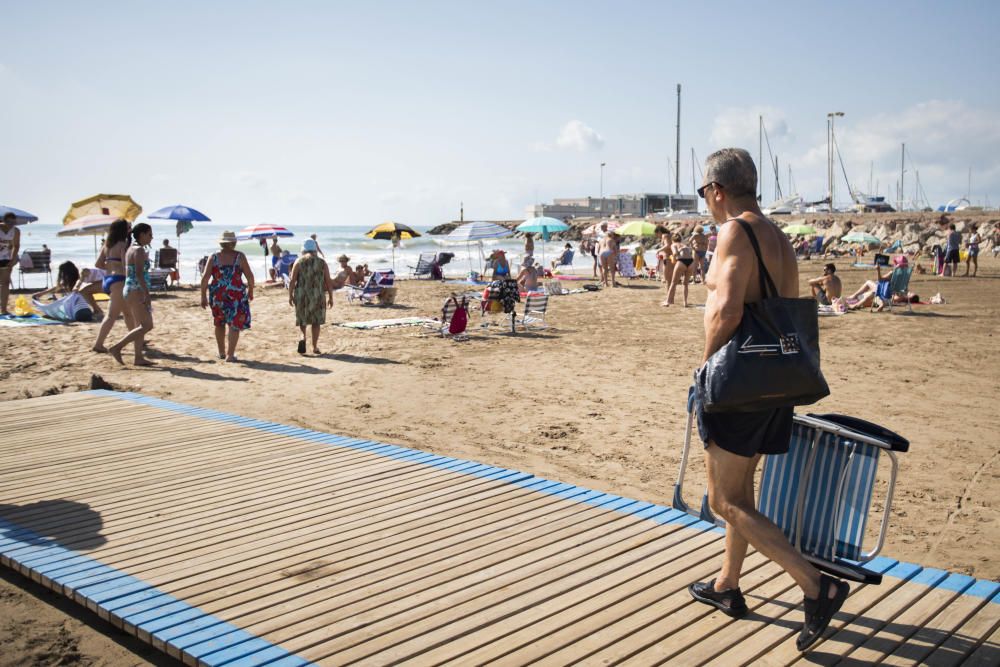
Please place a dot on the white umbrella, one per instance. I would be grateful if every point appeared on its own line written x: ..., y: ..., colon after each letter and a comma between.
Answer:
x: 477, y: 231
x: 88, y: 225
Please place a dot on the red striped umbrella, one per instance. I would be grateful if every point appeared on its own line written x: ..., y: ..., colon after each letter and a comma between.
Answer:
x: 263, y: 231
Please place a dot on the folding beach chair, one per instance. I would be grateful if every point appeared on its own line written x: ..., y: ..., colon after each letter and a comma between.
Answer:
x: 535, y: 306
x: 820, y: 492
x: 898, y: 283
x: 377, y: 282
x: 283, y: 269
x: 41, y: 262
x: 158, y: 279
x: 424, y: 264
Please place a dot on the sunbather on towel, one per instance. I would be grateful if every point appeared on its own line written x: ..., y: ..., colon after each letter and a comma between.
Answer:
x: 827, y: 287
x: 70, y: 279
x: 864, y: 297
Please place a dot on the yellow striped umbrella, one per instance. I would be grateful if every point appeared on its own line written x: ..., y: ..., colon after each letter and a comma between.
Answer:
x: 388, y: 230
x: 120, y: 206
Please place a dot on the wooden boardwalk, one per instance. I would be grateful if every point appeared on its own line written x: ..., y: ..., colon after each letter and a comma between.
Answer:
x: 226, y: 540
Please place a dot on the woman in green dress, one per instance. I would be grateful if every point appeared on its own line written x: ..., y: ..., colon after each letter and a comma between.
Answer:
x: 309, y: 282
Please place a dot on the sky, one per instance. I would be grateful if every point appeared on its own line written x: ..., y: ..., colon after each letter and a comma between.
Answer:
x: 353, y: 113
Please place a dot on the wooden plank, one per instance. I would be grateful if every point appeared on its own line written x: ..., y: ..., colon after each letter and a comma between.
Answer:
x: 896, y: 634
x: 350, y: 579
x: 964, y: 640
x: 577, y: 615
x: 944, y: 625
x: 988, y: 653
x: 836, y: 645
x: 394, y: 631
x: 514, y: 554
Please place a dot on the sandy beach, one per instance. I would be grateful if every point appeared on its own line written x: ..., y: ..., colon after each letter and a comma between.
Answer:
x: 597, y: 400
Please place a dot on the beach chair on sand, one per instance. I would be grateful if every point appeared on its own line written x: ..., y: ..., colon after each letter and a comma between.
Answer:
x: 535, y: 306
x: 283, y: 269
x: 378, y: 282
x: 820, y: 492
x: 898, y: 283
x: 424, y: 264
x: 158, y: 279
x: 41, y: 262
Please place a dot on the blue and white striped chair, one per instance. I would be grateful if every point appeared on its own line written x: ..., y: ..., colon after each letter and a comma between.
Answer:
x: 820, y: 492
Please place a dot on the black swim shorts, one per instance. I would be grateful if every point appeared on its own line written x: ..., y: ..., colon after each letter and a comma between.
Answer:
x: 951, y: 256
x: 747, y: 433
x: 4, y: 263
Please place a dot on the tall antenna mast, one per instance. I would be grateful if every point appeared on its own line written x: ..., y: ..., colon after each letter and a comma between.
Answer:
x: 694, y: 184
x: 677, y: 160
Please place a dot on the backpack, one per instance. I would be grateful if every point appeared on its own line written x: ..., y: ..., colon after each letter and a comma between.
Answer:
x: 460, y: 319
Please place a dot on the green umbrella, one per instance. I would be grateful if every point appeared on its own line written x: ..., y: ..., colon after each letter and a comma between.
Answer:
x: 800, y: 230
x: 860, y: 237
x: 637, y: 228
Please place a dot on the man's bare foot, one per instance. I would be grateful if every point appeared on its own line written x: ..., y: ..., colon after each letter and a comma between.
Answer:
x: 117, y: 354
x: 143, y: 362
x: 231, y: 359
x: 665, y: 304
x: 316, y: 351
x: 99, y: 349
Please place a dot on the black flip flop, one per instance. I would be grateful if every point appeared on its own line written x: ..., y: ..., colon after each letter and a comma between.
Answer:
x: 730, y: 602
x: 820, y: 612
x: 302, y: 347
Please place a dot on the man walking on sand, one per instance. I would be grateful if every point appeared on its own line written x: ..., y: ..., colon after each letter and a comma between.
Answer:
x: 735, y: 441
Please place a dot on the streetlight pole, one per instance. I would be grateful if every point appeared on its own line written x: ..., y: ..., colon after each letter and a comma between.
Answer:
x: 602, y: 185
x: 831, y: 148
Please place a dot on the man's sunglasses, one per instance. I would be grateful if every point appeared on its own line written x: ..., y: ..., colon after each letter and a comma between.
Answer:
x: 701, y: 190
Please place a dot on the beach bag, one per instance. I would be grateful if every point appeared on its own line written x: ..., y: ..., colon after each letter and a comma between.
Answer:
x: 773, y: 359
x: 460, y: 319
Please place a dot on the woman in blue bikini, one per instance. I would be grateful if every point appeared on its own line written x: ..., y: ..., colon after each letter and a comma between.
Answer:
x: 110, y: 260
x: 135, y: 291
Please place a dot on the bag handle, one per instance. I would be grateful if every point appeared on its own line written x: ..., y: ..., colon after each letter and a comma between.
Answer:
x: 762, y: 274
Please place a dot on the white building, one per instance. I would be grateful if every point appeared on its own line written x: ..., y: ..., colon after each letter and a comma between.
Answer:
x: 636, y: 205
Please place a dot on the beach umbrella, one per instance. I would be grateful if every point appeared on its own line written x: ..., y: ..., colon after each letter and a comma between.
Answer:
x: 89, y: 225
x: 263, y: 231
x: 860, y: 237
x: 543, y: 226
x: 120, y: 206
x: 392, y: 231
x: 636, y: 228
x: 477, y: 231
x: 20, y: 217
x: 184, y: 215
x: 799, y: 230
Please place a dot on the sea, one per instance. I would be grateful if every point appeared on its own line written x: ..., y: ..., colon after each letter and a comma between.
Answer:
x: 202, y: 240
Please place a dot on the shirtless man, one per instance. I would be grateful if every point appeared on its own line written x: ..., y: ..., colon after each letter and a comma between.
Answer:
x: 346, y: 275
x: 10, y: 246
x: 827, y: 287
x: 734, y: 442
x: 527, y: 277
x: 700, y: 244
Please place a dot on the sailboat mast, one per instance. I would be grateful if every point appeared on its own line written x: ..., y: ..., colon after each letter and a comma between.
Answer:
x: 677, y: 171
x: 902, y: 172
x: 694, y: 186
x: 760, y: 155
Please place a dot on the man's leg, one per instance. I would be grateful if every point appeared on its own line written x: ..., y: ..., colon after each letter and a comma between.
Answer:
x: 727, y: 482
x: 736, y: 546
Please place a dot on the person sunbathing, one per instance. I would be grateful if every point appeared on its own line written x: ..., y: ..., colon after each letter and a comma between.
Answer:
x: 827, y: 287
x: 70, y: 279
x: 527, y: 277
x: 865, y: 295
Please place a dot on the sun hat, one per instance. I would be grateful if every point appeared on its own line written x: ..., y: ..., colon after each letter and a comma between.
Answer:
x: 900, y: 260
x: 227, y: 237
x: 343, y: 259
x: 309, y: 245
x: 528, y: 261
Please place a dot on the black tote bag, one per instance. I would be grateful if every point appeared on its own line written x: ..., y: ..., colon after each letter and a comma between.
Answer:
x: 772, y: 361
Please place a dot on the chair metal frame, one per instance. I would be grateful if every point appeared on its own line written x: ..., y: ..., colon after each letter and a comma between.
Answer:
x: 838, y: 566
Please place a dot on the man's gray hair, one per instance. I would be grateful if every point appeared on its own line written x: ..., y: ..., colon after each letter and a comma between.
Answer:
x: 734, y: 170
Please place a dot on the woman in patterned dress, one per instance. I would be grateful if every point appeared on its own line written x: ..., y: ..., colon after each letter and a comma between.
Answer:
x: 222, y: 287
x: 309, y: 282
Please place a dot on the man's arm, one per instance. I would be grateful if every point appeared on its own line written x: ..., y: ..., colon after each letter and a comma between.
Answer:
x: 15, y: 251
x: 732, y: 269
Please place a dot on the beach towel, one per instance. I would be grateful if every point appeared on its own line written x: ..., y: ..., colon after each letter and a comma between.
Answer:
x: 561, y: 277
x: 385, y: 324
x: 467, y: 282
x: 70, y: 308
x: 26, y: 321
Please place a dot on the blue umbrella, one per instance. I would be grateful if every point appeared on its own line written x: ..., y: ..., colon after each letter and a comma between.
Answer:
x: 21, y: 217
x: 184, y: 215
x: 543, y: 226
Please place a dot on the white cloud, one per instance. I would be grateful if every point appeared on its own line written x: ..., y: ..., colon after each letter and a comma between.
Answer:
x: 738, y: 126
x: 577, y: 135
